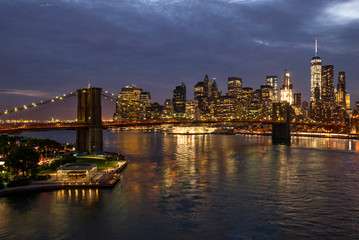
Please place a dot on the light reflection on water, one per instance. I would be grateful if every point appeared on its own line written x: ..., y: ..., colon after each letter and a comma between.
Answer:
x: 204, y: 186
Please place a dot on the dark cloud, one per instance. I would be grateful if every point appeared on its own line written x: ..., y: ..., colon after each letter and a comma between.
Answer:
x: 58, y: 46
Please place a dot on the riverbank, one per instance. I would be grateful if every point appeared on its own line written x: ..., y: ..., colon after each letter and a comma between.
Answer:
x: 104, y: 179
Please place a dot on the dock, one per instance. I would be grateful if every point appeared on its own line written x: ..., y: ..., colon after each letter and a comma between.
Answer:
x: 106, y: 179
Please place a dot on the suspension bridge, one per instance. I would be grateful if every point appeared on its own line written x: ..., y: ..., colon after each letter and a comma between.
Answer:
x: 89, y: 123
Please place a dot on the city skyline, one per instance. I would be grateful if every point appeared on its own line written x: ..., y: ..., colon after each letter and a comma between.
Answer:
x: 147, y: 44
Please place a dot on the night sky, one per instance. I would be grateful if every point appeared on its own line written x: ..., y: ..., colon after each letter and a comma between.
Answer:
x: 52, y: 47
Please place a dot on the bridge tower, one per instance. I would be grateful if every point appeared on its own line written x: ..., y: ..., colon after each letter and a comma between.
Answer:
x: 89, y: 112
x: 281, y: 130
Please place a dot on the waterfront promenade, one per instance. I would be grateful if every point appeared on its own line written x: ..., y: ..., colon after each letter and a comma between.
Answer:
x: 104, y: 178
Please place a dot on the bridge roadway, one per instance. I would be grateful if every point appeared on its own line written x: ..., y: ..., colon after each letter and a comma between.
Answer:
x: 22, y: 127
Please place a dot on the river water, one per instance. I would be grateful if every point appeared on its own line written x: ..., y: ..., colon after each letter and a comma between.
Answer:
x: 202, y: 187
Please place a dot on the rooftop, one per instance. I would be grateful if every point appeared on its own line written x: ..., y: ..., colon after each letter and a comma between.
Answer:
x: 77, y: 166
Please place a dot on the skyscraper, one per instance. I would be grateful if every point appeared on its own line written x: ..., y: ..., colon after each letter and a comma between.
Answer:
x: 214, y: 89
x: 286, y: 91
x: 199, y: 91
x: 298, y: 100
x: 315, y: 73
x: 206, y: 86
x: 128, y: 103
x: 273, y: 82
x: 234, y: 86
x: 341, y: 91
x: 167, y: 109
x: 327, y: 94
x: 266, y: 93
x: 247, y: 95
x: 179, y: 101
x: 145, y: 101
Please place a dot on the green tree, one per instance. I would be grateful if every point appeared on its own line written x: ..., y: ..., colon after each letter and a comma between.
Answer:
x: 23, y: 159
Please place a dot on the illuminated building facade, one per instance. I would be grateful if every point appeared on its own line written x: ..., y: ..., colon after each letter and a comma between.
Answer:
x: 286, y: 91
x: 145, y: 101
x: 203, y: 94
x: 315, y: 73
x: 341, y: 90
x: 214, y: 89
x: 256, y: 96
x: 192, y: 111
x: 356, y: 111
x: 128, y: 103
x: 179, y: 101
x: 298, y: 100
x: 206, y: 86
x: 167, y: 112
x: 266, y: 93
x: 199, y: 91
x: 234, y: 87
x: 273, y: 82
x: 226, y: 107
x: 246, y: 96
x: 154, y: 111
x: 347, y: 101
x: 327, y: 93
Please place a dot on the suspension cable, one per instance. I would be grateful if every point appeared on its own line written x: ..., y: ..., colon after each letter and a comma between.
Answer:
x: 33, y: 105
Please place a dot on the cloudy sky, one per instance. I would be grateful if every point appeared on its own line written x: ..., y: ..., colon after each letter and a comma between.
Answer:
x: 51, y: 47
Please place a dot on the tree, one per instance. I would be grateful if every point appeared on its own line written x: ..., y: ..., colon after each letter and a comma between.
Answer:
x: 23, y: 159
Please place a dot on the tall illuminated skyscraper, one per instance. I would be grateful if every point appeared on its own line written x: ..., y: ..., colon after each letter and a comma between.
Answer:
x: 273, y: 82
x: 341, y: 90
x: 315, y: 73
x: 286, y: 91
x: 328, y: 84
x: 179, y: 101
x: 234, y: 86
x: 206, y: 86
x: 128, y: 103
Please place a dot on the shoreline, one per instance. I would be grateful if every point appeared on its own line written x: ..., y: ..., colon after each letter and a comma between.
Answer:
x: 293, y: 134
x: 111, y: 179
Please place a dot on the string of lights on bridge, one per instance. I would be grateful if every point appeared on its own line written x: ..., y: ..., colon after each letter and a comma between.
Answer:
x: 34, y: 105
x: 108, y: 96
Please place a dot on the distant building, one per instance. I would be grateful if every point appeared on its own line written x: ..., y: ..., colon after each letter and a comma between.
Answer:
x: 203, y: 93
x: 266, y: 93
x: 214, y: 89
x: 179, y: 101
x: 328, y: 84
x: 341, y: 89
x: 273, y: 82
x: 247, y: 94
x: 145, y: 101
x: 256, y: 96
x: 234, y: 86
x: 305, y: 109
x: 154, y: 111
x: 167, y: 112
x: 356, y: 111
x: 128, y: 103
x: 206, y: 86
x: 199, y: 90
x: 298, y: 100
x: 315, y: 74
x: 286, y: 91
x: 305, y: 105
x: 347, y: 101
x: 192, y: 110
x: 226, y: 107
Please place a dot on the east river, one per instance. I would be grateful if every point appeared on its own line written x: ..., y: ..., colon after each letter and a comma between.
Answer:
x: 202, y: 187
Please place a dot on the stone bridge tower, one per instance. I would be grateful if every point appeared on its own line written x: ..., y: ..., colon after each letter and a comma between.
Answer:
x: 281, y: 130
x: 89, y: 139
